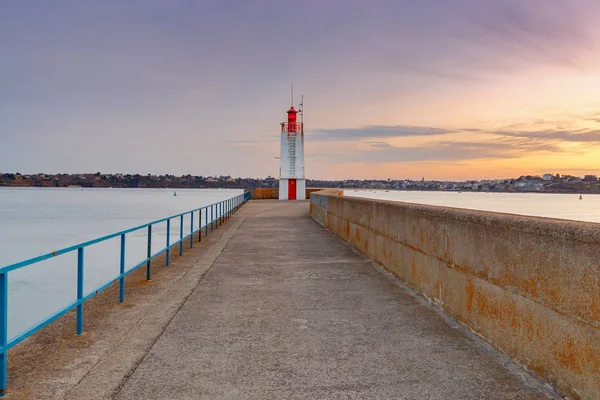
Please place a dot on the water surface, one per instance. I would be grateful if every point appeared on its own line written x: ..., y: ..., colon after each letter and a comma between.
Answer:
x: 562, y: 206
x: 35, y: 221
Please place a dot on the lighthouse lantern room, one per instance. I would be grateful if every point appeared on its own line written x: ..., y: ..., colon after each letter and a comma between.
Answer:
x: 292, y: 184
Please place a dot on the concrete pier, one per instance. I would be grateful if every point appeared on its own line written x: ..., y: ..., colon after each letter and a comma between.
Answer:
x: 287, y: 310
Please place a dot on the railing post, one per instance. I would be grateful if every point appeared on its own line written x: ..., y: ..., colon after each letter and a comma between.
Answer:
x: 191, y: 229
x: 206, y: 221
x: 80, y: 290
x: 180, y: 235
x: 122, y: 271
x: 199, y: 225
x: 148, y: 273
x: 3, y: 330
x: 168, y: 256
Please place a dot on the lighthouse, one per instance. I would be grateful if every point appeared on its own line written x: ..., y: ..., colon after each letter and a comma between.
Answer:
x: 292, y: 185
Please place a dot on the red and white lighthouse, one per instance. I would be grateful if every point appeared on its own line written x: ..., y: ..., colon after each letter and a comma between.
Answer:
x: 292, y: 185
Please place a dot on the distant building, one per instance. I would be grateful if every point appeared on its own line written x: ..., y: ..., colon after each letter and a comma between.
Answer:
x: 547, y: 177
x: 590, y: 178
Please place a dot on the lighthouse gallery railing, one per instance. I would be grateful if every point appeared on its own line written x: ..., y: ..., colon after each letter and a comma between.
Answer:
x: 214, y: 215
x: 297, y: 127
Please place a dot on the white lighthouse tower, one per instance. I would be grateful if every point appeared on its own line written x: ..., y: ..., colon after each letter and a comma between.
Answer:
x: 292, y: 185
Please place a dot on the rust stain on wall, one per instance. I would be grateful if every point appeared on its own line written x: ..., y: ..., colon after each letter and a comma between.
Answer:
x: 567, y: 354
x: 384, y: 253
x: 470, y: 291
x: 530, y: 285
x: 346, y: 228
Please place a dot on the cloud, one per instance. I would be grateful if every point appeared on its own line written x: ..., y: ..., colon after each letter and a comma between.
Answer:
x: 563, y: 132
x: 577, y: 136
x: 380, y: 152
x: 378, y: 131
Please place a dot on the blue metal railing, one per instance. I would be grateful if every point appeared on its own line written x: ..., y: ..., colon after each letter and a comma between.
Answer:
x: 214, y: 216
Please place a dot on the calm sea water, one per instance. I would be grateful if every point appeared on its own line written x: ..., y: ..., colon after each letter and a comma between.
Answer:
x: 562, y: 206
x: 35, y: 221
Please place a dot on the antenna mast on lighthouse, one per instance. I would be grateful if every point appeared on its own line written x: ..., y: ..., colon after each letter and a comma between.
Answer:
x: 302, y: 111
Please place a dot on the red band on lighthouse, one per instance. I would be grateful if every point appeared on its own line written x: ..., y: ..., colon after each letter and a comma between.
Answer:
x: 292, y: 119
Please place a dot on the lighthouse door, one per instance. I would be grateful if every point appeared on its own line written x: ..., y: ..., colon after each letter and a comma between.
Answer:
x: 292, y: 189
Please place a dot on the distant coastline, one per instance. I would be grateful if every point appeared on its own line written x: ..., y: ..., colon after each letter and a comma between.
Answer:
x: 588, y: 184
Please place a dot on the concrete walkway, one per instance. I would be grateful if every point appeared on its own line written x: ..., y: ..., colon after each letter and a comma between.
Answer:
x: 288, y: 310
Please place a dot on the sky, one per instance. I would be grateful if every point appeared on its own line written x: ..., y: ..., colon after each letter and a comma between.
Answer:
x: 441, y: 89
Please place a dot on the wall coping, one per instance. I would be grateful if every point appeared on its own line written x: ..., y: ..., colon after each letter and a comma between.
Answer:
x: 587, y: 232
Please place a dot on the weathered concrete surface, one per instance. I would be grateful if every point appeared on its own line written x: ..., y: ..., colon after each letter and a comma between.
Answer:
x: 288, y: 310
x: 530, y: 286
x: 264, y: 193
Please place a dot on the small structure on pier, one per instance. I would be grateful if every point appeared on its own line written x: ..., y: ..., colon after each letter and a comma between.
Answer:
x: 292, y: 185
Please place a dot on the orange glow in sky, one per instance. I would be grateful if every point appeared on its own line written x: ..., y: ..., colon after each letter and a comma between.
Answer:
x: 461, y: 89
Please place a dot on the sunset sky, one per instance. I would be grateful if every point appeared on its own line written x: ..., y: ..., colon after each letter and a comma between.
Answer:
x: 445, y: 89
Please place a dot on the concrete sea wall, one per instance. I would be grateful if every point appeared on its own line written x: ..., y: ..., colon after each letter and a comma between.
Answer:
x: 264, y: 193
x: 530, y: 286
x: 273, y: 193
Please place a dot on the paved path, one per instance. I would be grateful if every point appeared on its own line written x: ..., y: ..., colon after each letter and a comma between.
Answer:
x: 290, y: 311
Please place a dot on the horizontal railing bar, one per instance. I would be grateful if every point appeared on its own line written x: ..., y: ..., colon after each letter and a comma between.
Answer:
x: 69, y: 249
x: 158, y: 253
